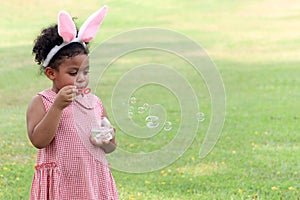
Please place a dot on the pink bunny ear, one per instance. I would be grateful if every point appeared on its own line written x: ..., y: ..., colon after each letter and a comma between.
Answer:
x: 66, y: 26
x: 90, y: 27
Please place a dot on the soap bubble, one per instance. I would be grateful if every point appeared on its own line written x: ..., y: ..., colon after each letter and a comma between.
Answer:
x: 141, y: 110
x: 168, y: 126
x: 151, y: 118
x: 146, y: 106
x: 152, y: 124
x: 200, y: 117
x: 152, y: 121
x: 130, y: 109
x: 132, y: 100
x: 130, y: 115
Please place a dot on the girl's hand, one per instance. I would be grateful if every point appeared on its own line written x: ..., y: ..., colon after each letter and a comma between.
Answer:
x: 98, y: 143
x: 108, y: 146
x: 65, y: 96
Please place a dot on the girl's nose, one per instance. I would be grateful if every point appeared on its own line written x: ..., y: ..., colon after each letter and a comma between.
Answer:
x: 80, y: 77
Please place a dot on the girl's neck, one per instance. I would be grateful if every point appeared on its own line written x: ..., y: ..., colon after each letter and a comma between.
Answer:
x: 54, y: 89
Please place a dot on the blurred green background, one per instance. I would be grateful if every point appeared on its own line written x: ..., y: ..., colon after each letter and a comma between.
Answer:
x: 255, y: 46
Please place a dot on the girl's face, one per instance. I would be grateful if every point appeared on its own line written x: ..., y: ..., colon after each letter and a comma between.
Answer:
x: 72, y: 71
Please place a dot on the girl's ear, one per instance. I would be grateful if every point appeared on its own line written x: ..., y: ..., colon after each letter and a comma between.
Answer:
x: 50, y: 73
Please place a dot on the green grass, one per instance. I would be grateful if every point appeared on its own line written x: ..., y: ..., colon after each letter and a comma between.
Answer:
x: 255, y: 46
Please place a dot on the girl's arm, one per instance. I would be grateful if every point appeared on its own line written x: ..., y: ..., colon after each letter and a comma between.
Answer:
x: 42, y: 125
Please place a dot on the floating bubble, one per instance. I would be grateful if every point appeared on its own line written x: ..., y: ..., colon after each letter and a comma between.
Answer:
x: 141, y: 110
x: 132, y: 100
x: 130, y: 109
x: 130, y: 115
x: 152, y: 121
x: 152, y: 124
x: 168, y: 126
x: 146, y: 106
x: 200, y: 117
x: 151, y: 118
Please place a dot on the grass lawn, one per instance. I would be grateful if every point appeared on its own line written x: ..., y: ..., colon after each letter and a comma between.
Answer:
x: 255, y: 47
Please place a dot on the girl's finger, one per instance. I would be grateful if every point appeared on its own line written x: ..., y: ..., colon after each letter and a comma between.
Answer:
x: 74, y: 90
x: 73, y: 96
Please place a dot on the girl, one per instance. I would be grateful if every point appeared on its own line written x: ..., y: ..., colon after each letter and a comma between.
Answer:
x: 71, y: 164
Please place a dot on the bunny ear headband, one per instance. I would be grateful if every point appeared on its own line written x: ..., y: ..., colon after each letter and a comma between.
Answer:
x: 67, y: 30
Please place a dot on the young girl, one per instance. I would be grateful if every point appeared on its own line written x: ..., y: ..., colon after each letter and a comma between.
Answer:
x: 71, y: 164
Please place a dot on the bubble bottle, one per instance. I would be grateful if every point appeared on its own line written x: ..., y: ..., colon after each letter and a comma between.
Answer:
x: 103, y: 132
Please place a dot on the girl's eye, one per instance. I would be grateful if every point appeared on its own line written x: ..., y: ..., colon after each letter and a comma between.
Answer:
x: 73, y: 73
x: 86, y: 72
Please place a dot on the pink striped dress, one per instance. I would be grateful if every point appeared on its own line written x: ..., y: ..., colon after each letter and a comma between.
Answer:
x: 70, y: 167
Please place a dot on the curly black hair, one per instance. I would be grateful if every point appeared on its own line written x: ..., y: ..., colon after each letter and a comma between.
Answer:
x: 47, y: 40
